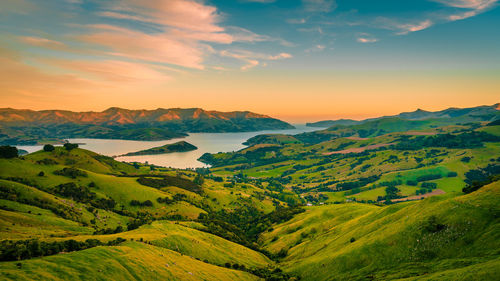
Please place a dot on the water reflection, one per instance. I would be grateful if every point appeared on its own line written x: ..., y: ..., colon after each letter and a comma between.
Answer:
x: 206, y: 142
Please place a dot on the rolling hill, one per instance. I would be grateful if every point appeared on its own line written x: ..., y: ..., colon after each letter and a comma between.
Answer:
x: 413, y: 205
x: 472, y: 114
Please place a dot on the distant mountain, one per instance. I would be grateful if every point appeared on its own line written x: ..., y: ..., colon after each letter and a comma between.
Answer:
x: 416, y: 120
x: 29, y: 127
x: 472, y: 114
x: 329, y: 123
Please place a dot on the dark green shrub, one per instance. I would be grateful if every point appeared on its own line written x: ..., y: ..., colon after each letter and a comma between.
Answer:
x: 7, y: 151
x: 48, y: 148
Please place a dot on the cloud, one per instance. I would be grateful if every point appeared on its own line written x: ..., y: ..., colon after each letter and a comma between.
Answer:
x: 161, y: 47
x: 26, y: 83
x: 259, y: 1
x: 324, y: 6
x: 280, y: 56
x: 317, y: 48
x: 402, y: 28
x: 311, y: 29
x: 244, y: 35
x: 413, y: 27
x: 476, y: 7
x: 468, y: 4
x: 187, y: 14
x: 366, y: 38
x: 296, y: 21
x: 252, y: 59
x: 114, y: 70
x: 42, y: 42
x: 186, y: 31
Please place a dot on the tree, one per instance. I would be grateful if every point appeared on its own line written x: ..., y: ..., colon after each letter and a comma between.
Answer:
x: 7, y: 151
x: 70, y: 146
x: 48, y: 148
x: 199, y: 179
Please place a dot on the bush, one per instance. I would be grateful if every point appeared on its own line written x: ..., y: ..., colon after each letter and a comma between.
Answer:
x: 41, y: 174
x: 70, y: 146
x: 429, y: 185
x: 429, y: 177
x: 465, y: 159
x: 452, y: 174
x: 411, y: 183
x: 47, y: 161
x: 71, y: 173
x: 7, y: 151
x: 146, y: 203
x: 48, y: 148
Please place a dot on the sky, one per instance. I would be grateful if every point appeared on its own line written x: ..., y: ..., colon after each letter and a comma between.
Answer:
x: 298, y: 60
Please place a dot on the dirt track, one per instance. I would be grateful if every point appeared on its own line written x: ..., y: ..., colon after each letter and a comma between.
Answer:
x: 421, y: 133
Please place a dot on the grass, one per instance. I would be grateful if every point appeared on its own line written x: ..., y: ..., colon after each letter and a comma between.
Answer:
x: 25, y: 221
x: 392, y: 242
x: 129, y: 261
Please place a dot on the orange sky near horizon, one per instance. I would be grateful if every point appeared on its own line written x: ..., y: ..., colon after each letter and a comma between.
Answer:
x: 291, y: 96
x: 312, y: 64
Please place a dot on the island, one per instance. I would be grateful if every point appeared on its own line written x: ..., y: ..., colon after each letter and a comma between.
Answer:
x: 181, y: 146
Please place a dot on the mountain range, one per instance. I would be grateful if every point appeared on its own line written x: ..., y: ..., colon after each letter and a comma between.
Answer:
x: 479, y: 113
x: 20, y: 126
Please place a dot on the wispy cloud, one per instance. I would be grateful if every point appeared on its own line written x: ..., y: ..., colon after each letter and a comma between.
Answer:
x: 187, y: 30
x: 475, y: 7
x: 42, y: 42
x: 467, y: 4
x: 413, y: 27
x: 316, y: 48
x: 324, y: 6
x: 401, y: 28
x: 114, y: 70
x: 187, y: 14
x: 252, y: 59
x: 296, y: 21
x: 259, y: 1
x: 366, y: 38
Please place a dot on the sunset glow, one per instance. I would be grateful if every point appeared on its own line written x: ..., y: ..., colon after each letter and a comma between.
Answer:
x: 296, y: 60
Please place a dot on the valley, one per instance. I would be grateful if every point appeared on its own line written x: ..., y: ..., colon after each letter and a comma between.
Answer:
x: 403, y: 203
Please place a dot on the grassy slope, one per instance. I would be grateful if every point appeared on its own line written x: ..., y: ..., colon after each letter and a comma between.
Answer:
x: 392, y: 242
x: 32, y: 225
x: 125, y: 189
x: 190, y: 241
x: 129, y: 261
x: 406, y: 167
x: 25, y: 221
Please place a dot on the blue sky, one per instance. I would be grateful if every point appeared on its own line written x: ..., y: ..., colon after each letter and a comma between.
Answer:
x: 233, y: 55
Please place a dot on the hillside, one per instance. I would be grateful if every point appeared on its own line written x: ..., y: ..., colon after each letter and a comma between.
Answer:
x: 464, y: 115
x: 391, y: 166
x: 435, y: 239
x: 330, y: 123
x: 412, y: 204
x: 128, y: 261
x: 29, y: 127
x: 81, y: 202
x: 180, y: 146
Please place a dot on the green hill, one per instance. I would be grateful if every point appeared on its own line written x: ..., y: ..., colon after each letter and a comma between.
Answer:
x: 445, y: 238
x: 129, y: 261
x: 384, y: 207
x: 180, y: 146
x: 450, y: 115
